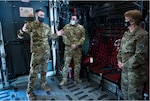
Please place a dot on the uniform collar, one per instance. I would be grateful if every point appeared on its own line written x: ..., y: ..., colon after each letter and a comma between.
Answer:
x: 39, y: 24
x: 74, y: 25
x: 134, y: 32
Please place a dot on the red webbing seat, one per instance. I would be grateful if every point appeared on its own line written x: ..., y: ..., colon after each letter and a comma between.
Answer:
x: 98, y: 67
x: 113, y: 76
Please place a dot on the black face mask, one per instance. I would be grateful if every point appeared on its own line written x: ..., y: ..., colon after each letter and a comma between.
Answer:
x: 127, y: 24
x: 40, y: 19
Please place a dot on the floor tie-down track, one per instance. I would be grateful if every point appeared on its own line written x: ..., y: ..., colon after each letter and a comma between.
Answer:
x: 70, y: 91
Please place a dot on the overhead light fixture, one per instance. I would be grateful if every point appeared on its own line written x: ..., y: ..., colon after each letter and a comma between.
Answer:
x: 25, y: 0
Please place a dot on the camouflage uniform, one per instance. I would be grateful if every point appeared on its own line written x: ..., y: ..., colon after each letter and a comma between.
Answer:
x: 73, y: 35
x: 39, y: 33
x: 132, y: 53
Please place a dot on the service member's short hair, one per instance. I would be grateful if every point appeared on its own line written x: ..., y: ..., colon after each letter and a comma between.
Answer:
x: 38, y: 10
x: 134, y: 15
x: 75, y: 15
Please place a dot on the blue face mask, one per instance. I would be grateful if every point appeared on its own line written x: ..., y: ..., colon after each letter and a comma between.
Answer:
x: 40, y: 19
x: 127, y: 24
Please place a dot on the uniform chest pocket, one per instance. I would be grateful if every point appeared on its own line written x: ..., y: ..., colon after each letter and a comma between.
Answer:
x: 131, y: 45
x: 78, y: 33
x: 69, y: 32
x: 42, y: 32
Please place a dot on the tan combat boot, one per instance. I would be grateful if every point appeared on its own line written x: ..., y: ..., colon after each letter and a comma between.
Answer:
x: 45, y: 87
x: 63, y: 82
x: 31, y: 96
x: 77, y: 80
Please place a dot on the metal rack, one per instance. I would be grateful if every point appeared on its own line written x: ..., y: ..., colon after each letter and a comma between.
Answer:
x: 3, y: 69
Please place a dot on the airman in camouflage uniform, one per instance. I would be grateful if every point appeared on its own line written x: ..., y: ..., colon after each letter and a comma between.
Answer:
x: 39, y: 33
x: 132, y: 57
x: 73, y: 38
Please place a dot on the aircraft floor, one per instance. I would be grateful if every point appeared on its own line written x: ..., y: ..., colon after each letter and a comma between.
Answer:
x: 70, y: 91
